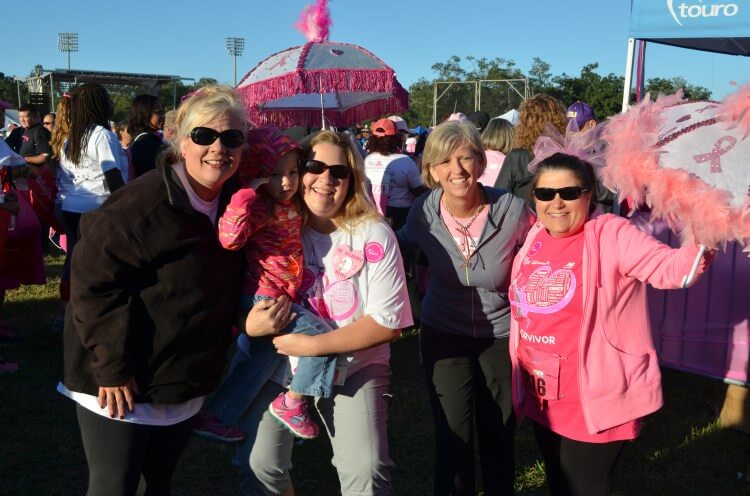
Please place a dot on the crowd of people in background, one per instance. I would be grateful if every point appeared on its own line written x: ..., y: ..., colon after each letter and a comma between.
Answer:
x: 185, y: 228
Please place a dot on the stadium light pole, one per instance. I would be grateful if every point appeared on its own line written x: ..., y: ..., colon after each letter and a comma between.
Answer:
x: 67, y: 42
x: 235, y: 46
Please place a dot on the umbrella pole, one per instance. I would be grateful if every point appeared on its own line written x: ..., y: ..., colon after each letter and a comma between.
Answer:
x: 322, y: 113
x: 688, y: 279
x: 322, y: 106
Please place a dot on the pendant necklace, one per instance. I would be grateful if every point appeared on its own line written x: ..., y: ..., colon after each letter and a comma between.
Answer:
x: 463, y: 229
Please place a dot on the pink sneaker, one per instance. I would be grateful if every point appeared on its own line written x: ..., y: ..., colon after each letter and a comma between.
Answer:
x: 295, y: 419
x: 7, y: 367
x: 209, y: 426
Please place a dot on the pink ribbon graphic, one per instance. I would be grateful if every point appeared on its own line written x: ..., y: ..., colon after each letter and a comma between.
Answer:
x: 715, y: 156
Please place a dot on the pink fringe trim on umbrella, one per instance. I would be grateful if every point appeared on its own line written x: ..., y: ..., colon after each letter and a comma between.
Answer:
x: 287, y: 118
x: 317, y: 81
x: 674, y: 195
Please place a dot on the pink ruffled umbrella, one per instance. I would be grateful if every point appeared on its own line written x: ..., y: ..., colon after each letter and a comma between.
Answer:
x: 688, y: 161
x: 321, y: 82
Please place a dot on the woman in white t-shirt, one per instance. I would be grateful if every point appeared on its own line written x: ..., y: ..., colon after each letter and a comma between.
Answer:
x: 354, y: 278
x: 90, y: 161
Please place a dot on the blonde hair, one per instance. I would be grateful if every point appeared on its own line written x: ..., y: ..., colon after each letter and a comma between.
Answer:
x: 62, y: 127
x: 445, y: 139
x: 534, y: 115
x: 498, y: 136
x: 357, y: 204
x: 170, y: 119
x: 205, y: 105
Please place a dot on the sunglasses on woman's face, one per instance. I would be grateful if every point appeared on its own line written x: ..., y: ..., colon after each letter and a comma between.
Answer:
x: 204, y: 136
x: 318, y: 167
x: 569, y: 193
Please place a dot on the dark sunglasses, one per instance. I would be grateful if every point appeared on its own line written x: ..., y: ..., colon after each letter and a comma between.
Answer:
x: 570, y: 193
x: 318, y: 167
x: 204, y: 136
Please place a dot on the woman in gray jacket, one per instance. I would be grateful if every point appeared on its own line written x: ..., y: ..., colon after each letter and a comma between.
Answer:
x: 470, y: 234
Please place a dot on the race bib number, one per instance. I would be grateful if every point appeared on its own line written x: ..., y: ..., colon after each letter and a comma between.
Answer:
x: 540, y: 372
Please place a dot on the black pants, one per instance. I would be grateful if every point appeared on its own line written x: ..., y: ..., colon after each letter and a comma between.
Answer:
x: 576, y: 468
x: 468, y: 382
x: 119, y: 452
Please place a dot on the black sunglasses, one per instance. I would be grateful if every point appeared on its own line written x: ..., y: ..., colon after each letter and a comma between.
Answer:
x: 204, y: 136
x: 318, y: 167
x: 569, y: 193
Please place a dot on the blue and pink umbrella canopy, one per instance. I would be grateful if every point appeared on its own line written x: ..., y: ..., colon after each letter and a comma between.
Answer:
x: 343, y: 82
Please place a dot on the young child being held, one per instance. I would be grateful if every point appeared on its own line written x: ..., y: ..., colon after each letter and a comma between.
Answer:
x: 264, y: 220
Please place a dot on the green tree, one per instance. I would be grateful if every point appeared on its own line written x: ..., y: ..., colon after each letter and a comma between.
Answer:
x: 8, y: 89
x: 204, y: 81
x: 662, y: 86
x: 540, y: 77
x: 496, y: 98
x: 603, y: 93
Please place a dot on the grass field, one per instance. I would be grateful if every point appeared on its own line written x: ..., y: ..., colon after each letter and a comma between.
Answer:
x: 682, y: 450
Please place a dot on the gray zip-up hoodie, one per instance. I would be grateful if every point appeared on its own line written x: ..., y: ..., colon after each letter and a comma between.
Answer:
x: 472, y: 302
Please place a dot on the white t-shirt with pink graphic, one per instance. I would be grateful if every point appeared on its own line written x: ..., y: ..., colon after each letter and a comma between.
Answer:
x: 348, y: 275
x: 547, y: 302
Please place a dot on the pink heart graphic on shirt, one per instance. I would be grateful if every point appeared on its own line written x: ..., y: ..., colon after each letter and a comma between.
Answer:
x: 347, y: 262
x: 546, y: 289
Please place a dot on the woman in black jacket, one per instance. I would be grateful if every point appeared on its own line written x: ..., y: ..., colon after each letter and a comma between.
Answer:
x: 153, y: 301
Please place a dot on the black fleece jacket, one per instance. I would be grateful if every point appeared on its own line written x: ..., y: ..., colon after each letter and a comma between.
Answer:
x: 153, y: 294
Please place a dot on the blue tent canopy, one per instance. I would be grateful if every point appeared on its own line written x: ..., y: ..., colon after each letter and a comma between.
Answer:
x: 721, y: 26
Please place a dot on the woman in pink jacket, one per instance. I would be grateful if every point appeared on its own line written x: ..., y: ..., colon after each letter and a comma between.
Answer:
x: 584, y: 366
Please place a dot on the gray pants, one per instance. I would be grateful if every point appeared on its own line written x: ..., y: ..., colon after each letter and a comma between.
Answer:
x: 359, y: 438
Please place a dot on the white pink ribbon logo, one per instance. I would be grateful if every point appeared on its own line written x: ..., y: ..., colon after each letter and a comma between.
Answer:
x: 715, y: 156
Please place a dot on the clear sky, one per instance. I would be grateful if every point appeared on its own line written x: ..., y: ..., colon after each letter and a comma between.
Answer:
x: 186, y: 38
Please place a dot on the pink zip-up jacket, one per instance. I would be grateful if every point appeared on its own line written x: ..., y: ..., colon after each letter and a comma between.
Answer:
x: 618, y: 370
